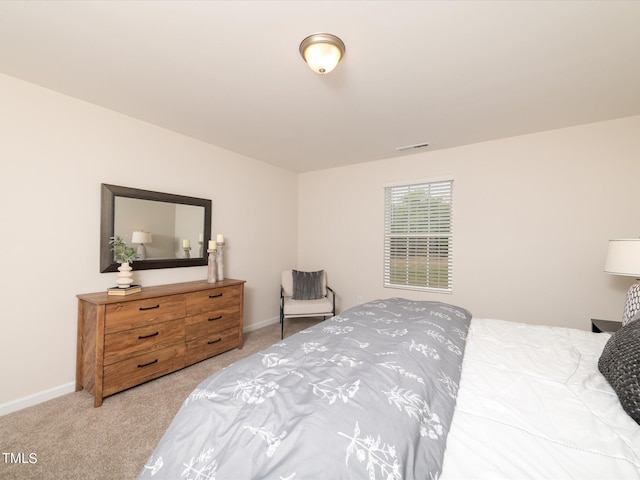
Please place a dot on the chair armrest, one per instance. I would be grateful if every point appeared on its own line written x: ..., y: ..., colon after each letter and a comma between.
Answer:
x: 333, y: 297
x: 282, y: 297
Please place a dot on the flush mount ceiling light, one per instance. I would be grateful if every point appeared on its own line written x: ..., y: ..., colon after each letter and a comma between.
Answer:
x: 322, y: 52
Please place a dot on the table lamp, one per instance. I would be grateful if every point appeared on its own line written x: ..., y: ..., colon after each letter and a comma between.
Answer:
x: 623, y: 258
x: 141, y: 238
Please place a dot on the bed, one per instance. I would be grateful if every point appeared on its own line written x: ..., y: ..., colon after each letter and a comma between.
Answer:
x: 533, y: 404
x: 401, y: 389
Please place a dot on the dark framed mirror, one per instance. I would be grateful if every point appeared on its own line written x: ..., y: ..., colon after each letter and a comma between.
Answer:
x: 169, y: 227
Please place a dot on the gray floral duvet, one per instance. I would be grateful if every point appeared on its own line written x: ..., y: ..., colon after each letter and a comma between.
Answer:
x: 367, y: 394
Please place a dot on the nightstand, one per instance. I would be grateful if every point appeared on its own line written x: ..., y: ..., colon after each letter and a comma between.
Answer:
x: 608, y: 326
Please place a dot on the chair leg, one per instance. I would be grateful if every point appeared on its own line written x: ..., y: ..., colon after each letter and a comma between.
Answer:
x: 281, y: 327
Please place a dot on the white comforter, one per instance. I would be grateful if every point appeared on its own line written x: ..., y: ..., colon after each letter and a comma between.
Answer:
x: 533, y: 405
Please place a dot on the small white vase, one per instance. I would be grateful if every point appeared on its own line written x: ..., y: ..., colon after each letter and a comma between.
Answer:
x: 125, y: 277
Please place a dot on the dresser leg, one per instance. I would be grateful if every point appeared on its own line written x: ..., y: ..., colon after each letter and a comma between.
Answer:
x: 79, y: 346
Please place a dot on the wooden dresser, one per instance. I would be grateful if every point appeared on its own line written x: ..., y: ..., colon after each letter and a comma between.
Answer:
x: 124, y: 341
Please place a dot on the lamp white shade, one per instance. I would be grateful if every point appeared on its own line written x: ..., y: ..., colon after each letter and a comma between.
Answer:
x: 141, y: 237
x: 623, y: 257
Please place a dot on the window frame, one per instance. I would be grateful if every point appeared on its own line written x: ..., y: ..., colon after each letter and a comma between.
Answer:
x: 421, y: 282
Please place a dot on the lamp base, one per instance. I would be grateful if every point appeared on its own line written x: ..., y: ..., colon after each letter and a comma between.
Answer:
x: 632, y: 305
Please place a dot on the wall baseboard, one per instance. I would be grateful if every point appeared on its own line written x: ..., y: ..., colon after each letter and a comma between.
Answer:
x: 264, y: 323
x: 30, y: 400
x: 40, y: 397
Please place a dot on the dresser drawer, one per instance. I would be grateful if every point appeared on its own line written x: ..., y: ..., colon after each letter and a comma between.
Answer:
x: 127, y: 315
x: 129, y: 343
x: 136, y: 370
x: 212, y: 344
x: 223, y: 299
x: 209, y: 323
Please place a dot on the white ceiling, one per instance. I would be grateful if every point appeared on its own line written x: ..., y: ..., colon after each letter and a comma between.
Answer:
x: 229, y: 72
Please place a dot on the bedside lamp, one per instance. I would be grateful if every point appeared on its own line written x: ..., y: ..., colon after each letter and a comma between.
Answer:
x: 141, y: 238
x: 623, y: 258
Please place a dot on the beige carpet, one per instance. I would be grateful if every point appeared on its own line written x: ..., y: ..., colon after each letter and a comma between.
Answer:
x: 73, y: 440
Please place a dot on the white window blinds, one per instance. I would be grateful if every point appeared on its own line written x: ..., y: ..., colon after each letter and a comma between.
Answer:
x: 418, y: 236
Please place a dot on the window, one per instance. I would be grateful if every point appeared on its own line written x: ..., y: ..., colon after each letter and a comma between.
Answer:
x: 418, y: 235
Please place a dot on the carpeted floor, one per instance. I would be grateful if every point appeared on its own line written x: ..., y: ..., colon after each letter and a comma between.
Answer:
x: 67, y: 438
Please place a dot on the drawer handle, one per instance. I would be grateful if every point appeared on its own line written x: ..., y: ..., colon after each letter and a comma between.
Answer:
x: 216, y: 295
x: 147, y: 364
x: 140, y: 337
x: 215, y: 318
x: 149, y: 308
x: 214, y: 341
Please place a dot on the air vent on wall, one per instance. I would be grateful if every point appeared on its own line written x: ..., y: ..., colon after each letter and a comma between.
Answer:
x: 412, y: 147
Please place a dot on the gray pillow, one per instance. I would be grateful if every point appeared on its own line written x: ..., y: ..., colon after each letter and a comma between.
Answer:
x: 307, y: 285
x: 620, y: 365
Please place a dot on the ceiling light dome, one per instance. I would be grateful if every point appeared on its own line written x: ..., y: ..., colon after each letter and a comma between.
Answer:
x: 322, y: 52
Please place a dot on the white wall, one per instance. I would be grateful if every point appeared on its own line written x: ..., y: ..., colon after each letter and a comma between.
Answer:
x: 532, y: 217
x: 55, y: 152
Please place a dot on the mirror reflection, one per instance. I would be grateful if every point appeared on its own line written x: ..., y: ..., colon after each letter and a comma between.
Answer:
x: 164, y: 230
